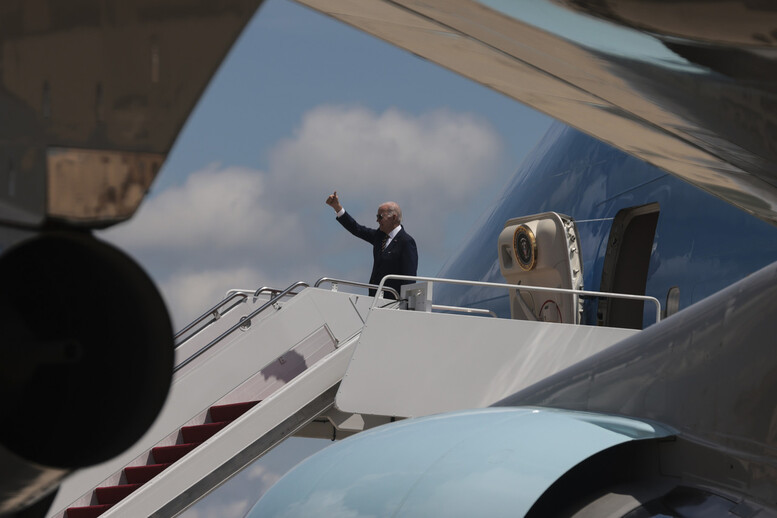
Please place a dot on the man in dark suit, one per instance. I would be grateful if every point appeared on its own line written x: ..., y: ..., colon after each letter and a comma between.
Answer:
x: 393, y: 250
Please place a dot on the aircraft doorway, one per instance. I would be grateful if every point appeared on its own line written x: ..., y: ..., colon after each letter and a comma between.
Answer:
x: 626, y: 265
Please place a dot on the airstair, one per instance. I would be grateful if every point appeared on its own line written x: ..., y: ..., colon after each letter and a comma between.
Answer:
x: 251, y: 371
x: 263, y: 365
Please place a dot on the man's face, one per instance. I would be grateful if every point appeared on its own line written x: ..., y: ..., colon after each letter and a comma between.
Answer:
x: 386, y: 220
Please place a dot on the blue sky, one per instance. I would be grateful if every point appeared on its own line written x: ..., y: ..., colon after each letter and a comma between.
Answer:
x: 304, y: 105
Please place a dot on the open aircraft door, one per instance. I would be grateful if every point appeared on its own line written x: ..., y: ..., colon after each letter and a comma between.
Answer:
x: 542, y: 250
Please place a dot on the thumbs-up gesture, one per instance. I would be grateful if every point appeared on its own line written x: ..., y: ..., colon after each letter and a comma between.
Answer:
x: 334, y: 202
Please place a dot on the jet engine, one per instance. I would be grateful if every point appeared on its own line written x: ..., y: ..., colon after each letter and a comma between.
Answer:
x: 86, y: 357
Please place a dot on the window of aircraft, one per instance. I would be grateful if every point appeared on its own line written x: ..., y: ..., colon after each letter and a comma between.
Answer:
x: 684, y: 502
x: 672, y: 301
x: 626, y: 265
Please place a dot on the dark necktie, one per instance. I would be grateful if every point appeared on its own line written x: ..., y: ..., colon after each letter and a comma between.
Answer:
x: 383, y: 244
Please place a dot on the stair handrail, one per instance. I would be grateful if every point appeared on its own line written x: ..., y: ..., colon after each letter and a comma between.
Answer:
x: 335, y: 282
x: 212, y: 311
x: 527, y: 287
x: 458, y: 309
x: 272, y: 291
x: 238, y: 290
x: 231, y: 294
x: 241, y: 323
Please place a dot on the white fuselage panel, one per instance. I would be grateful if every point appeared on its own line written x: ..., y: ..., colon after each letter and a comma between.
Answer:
x: 411, y: 364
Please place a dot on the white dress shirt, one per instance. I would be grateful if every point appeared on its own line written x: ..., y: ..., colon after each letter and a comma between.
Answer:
x: 391, y: 235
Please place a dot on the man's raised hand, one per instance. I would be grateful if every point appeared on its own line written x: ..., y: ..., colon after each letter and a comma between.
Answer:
x: 334, y: 202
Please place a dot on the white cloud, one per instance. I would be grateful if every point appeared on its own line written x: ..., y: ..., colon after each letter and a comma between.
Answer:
x: 435, y: 165
x: 229, y: 227
x: 233, y: 509
x: 430, y: 164
x: 190, y: 293
x: 324, y: 503
x: 261, y: 473
x: 251, y: 483
x: 215, y: 208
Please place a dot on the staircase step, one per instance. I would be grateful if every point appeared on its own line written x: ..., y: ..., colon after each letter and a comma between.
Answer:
x: 170, y: 454
x: 91, y: 511
x: 201, y: 432
x: 230, y: 412
x: 142, y: 474
x: 113, y: 494
x: 164, y: 456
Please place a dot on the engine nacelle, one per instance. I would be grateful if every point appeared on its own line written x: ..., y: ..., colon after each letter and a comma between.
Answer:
x: 86, y: 357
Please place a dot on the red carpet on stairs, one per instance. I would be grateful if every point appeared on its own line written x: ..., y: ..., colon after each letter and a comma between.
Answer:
x: 161, y: 458
x: 142, y: 474
x: 86, y: 512
x: 112, y: 494
x: 201, y: 432
x: 170, y: 454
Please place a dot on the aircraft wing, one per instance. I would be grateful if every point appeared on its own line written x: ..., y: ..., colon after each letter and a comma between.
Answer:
x: 690, y: 87
x: 93, y: 95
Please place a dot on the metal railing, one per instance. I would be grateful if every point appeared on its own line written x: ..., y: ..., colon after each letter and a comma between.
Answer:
x: 458, y: 309
x: 236, y: 290
x: 241, y: 323
x: 275, y: 295
x: 214, y: 312
x: 272, y: 291
x: 528, y: 288
x: 335, y: 282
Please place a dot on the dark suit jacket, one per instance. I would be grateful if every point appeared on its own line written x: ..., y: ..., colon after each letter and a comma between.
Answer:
x: 400, y: 256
